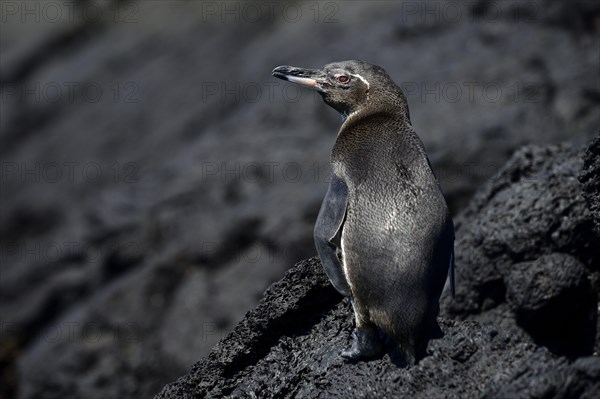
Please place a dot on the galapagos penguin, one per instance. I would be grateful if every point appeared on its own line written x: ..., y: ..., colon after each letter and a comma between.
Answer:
x: 397, y: 236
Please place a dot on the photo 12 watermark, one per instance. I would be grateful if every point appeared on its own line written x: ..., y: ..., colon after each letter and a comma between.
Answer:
x: 68, y: 12
x: 70, y: 332
x: 474, y: 92
x: 271, y: 172
x: 229, y: 12
x: 235, y: 92
x: 49, y: 252
x: 271, y: 252
x: 71, y: 92
x: 407, y: 13
x: 68, y: 172
x: 264, y: 172
x: 431, y: 12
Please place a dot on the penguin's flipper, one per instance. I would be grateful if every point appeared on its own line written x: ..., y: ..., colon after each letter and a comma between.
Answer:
x: 329, y: 222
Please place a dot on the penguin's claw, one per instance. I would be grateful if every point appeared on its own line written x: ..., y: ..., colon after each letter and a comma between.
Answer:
x: 365, y: 345
x: 351, y: 354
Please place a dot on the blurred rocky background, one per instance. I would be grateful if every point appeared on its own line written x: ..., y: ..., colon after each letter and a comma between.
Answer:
x: 156, y: 179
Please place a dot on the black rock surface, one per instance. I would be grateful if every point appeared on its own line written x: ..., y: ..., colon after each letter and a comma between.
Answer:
x: 553, y: 301
x: 530, y: 228
x: 534, y: 302
x: 289, y: 347
x: 112, y: 285
x: 590, y: 180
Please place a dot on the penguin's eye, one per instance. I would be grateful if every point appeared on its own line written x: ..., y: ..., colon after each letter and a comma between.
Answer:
x: 343, y: 79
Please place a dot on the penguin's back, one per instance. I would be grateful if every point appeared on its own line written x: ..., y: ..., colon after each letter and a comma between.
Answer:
x: 397, y: 237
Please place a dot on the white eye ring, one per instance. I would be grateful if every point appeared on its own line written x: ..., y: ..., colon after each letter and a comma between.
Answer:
x: 342, y: 79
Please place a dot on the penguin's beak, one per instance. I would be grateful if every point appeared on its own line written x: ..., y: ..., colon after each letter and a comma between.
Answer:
x: 313, y: 78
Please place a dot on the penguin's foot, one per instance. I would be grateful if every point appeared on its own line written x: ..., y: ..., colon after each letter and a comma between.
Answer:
x: 410, y: 359
x: 365, y: 344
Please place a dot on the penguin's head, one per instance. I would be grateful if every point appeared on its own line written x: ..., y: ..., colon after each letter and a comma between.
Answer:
x: 346, y: 86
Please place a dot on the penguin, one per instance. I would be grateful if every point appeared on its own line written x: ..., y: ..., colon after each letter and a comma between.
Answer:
x: 385, y: 203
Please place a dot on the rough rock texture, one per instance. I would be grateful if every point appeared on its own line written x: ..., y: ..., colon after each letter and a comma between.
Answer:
x: 590, y: 179
x: 539, y: 304
x: 550, y: 378
x: 289, y: 347
x: 530, y: 228
x: 138, y: 226
x: 553, y: 301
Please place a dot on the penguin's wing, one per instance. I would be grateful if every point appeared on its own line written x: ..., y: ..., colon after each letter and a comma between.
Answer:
x: 329, y: 222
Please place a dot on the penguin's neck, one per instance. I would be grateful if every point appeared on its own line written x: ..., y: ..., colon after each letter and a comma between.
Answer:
x: 347, y: 116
